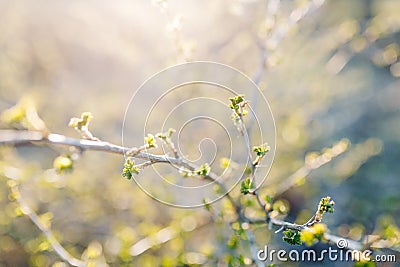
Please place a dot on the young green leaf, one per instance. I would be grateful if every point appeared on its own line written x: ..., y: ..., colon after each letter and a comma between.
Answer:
x: 292, y: 237
x: 246, y: 186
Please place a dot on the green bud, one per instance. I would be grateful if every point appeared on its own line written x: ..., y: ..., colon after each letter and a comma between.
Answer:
x: 82, y: 123
x: 326, y: 205
x: 150, y: 141
x: 235, y: 101
x: 63, y: 164
x: 246, y: 186
x: 130, y: 169
x: 233, y: 242
x: 204, y: 170
x: 262, y: 150
x: 166, y: 135
x: 207, y: 204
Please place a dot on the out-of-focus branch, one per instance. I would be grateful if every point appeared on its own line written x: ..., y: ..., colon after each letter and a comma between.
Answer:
x: 272, y: 34
x: 279, y: 33
x: 310, y: 165
x: 168, y: 233
x: 183, y: 48
x: 45, y: 229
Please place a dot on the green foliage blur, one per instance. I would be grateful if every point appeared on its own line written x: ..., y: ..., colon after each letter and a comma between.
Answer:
x: 334, y: 75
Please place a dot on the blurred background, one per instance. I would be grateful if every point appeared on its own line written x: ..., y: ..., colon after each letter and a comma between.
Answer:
x: 330, y: 71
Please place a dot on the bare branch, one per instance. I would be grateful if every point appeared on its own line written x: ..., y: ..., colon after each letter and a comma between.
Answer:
x: 22, y: 137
